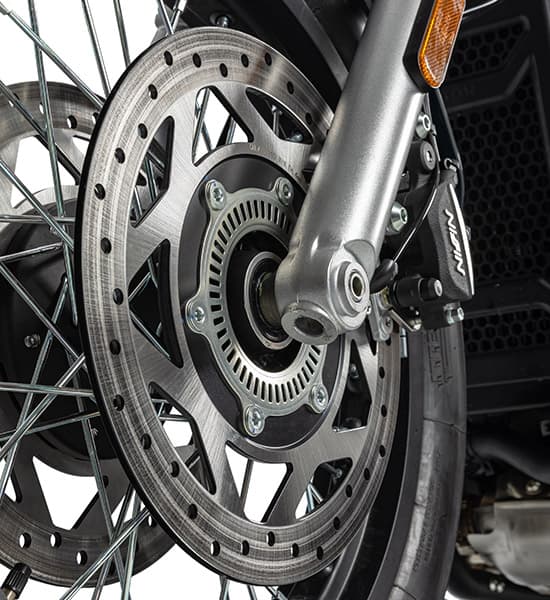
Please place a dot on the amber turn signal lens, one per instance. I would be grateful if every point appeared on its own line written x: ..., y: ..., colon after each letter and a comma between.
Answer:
x: 439, y: 40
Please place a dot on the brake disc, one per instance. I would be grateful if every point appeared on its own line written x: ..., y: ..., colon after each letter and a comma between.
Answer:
x: 176, y: 247
x: 57, y: 555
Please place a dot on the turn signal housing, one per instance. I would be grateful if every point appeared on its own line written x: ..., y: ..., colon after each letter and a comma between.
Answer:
x: 439, y: 40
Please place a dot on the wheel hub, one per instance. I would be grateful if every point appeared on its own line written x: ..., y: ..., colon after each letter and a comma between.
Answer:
x: 265, y: 369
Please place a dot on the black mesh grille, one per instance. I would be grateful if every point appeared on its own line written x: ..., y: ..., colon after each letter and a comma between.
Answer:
x: 484, y: 51
x: 508, y: 195
x: 512, y: 331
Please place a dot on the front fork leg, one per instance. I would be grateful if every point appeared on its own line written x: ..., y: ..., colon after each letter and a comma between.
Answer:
x: 322, y: 287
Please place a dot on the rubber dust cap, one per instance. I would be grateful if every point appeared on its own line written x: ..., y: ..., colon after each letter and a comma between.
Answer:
x: 17, y: 579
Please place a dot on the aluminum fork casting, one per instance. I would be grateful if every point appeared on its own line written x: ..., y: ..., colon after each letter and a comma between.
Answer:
x: 322, y: 287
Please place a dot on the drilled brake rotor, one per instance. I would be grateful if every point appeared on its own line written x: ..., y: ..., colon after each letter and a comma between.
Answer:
x: 150, y: 244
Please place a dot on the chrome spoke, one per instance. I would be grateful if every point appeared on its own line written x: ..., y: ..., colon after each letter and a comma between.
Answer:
x: 131, y: 555
x: 52, y: 148
x: 42, y: 357
x: 64, y: 159
x: 38, y: 41
x: 37, y: 310
x: 55, y: 424
x: 113, y: 548
x: 29, y: 421
x: 129, y: 497
x: 100, y: 61
x: 122, y: 32
x: 7, y: 258
x: 165, y: 18
x: 55, y: 226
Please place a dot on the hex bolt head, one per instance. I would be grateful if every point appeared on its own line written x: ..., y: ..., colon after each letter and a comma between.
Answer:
x: 318, y: 397
x: 32, y: 341
x: 423, y: 126
x: 533, y: 487
x: 215, y: 195
x: 254, y: 421
x: 399, y: 217
x: 284, y: 190
x: 454, y: 315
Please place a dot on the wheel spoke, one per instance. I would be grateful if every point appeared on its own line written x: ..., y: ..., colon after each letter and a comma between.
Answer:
x: 77, y: 417
x: 106, y: 555
x: 7, y: 258
x: 28, y: 422
x: 55, y: 226
x: 38, y: 41
x: 122, y: 32
x: 97, y: 47
x: 131, y: 555
x: 42, y: 357
x: 64, y: 159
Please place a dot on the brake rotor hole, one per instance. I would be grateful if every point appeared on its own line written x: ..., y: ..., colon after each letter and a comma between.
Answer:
x: 153, y: 92
x: 25, y: 540
x: 146, y: 441
x: 118, y: 403
x: 245, y: 548
x: 168, y: 58
x: 55, y: 540
x: 295, y: 551
x: 174, y: 469
x: 72, y: 123
x: 81, y: 558
x: 215, y: 548
x: 192, y: 511
x: 320, y: 553
x: 245, y: 60
x: 270, y: 539
x: 197, y: 60
x: 223, y: 70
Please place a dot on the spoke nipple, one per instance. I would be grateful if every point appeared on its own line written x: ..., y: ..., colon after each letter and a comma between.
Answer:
x: 319, y: 398
x: 533, y: 487
x: 32, y: 341
x: 284, y: 191
x: 254, y: 421
x: 215, y: 195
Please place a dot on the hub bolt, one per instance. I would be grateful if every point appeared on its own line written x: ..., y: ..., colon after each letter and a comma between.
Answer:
x: 285, y: 191
x: 32, y: 341
x: 398, y: 219
x: 455, y: 315
x: 319, y: 398
x: 215, y: 194
x: 254, y: 421
x: 196, y: 315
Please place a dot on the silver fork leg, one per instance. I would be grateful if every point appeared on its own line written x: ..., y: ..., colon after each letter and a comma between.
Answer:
x: 322, y: 287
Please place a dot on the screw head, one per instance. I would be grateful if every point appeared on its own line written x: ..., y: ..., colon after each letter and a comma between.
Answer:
x: 285, y: 191
x: 196, y: 316
x: 533, y: 487
x: 254, y: 421
x: 319, y: 397
x: 215, y: 194
x: 32, y: 341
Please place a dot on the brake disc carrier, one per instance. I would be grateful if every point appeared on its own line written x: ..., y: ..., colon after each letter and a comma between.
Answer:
x: 57, y: 555
x: 198, y: 252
